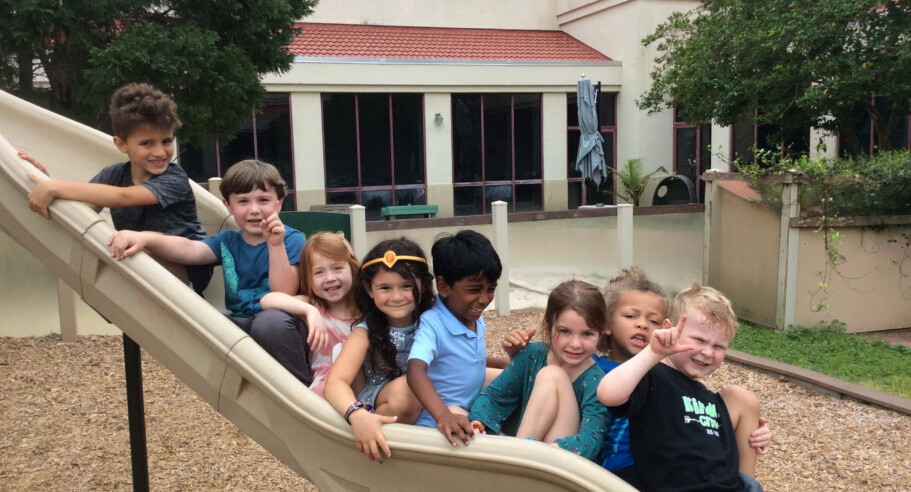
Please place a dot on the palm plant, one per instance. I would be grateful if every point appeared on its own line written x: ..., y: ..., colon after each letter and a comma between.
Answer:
x: 634, y: 181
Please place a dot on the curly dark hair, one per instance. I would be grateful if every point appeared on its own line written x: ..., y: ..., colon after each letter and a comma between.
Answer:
x: 381, y: 351
x: 136, y: 105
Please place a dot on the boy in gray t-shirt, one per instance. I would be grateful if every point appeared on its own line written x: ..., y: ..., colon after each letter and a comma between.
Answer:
x: 146, y: 193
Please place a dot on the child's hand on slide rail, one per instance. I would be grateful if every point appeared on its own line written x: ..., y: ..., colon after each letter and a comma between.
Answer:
x: 368, y: 433
x: 516, y: 340
x: 25, y: 156
x: 126, y: 243
x: 452, y: 423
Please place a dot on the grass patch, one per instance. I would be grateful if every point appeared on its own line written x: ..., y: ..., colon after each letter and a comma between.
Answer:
x: 827, y: 349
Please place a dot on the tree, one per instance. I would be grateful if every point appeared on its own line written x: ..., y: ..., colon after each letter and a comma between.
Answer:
x: 790, y: 63
x: 207, y: 54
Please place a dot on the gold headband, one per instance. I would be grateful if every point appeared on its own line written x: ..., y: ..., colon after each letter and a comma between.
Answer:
x: 389, y: 258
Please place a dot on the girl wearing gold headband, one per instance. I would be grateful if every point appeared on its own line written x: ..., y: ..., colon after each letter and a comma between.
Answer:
x: 394, y: 288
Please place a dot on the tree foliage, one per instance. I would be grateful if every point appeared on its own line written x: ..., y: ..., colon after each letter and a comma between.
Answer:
x: 790, y: 63
x: 208, y: 54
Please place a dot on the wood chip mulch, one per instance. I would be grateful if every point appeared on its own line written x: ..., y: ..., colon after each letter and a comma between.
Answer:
x: 63, y: 426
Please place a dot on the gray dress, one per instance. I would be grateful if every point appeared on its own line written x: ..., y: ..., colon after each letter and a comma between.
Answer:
x: 403, y: 338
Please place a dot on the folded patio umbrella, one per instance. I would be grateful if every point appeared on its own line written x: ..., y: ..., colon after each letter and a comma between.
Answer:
x: 590, y: 158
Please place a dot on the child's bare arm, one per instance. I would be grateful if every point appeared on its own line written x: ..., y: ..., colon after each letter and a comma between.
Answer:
x: 743, y: 407
x: 93, y: 194
x: 317, y: 334
x: 616, y: 387
x: 172, y: 248
x: 282, y: 274
x: 447, y: 422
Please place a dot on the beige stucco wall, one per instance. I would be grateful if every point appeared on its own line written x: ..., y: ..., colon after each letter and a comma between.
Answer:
x: 28, y: 297
x: 748, y: 258
x: 870, y: 294
x: 499, y: 14
x: 616, y: 28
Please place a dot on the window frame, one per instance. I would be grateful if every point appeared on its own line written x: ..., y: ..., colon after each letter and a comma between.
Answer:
x: 679, y: 124
x: 360, y: 189
x: 871, y: 144
x: 484, y: 184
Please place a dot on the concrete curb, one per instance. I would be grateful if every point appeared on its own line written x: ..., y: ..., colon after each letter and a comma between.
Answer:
x: 820, y: 382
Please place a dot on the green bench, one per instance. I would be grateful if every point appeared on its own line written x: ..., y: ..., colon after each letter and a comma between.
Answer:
x: 310, y: 223
x: 400, y: 210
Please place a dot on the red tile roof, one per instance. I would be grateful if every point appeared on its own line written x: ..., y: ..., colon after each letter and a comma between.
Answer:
x: 436, y: 43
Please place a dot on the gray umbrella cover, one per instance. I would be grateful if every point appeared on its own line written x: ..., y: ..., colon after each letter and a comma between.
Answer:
x: 590, y: 158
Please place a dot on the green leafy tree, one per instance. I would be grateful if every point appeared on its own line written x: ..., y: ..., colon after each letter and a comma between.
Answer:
x: 208, y: 54
x: 789, y: 63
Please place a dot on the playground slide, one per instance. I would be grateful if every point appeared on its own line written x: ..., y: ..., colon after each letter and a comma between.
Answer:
x: 222, y: 364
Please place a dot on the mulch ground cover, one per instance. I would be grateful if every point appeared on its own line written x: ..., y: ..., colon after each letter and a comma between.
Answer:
x: 63, y: 426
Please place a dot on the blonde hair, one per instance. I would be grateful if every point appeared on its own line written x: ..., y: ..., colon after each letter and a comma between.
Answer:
x: 710, y: 302
x: 335, y: 248
x: 583, y: 298
x: 628, y: 279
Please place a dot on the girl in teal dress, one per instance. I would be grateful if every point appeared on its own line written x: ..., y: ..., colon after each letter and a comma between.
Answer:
x: 553, y: 384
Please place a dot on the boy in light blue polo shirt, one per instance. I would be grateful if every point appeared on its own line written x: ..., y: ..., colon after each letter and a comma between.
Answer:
x: 446, y: 367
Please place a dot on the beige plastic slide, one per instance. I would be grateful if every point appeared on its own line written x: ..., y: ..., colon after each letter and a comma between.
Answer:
x: 222, y: 364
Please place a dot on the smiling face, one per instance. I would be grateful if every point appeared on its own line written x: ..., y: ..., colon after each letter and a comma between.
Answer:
x: 150, y: 151
x: 394, y: 296
x: 711, y: 340
x: 637, y: 314
x: 572, y: 341
x: 249, y: 209
x: 467, y: 298
x: 330, y: 280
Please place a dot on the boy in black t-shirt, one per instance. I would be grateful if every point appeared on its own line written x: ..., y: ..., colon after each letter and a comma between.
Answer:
x: 684, y: 437
x: 146, y: 193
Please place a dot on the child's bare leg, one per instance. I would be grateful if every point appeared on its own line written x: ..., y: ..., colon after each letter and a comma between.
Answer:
x: 552, y: 412
x: 396, y: 399
x: 743, y: 407
x: 490, y: 374
x: 457, y: 410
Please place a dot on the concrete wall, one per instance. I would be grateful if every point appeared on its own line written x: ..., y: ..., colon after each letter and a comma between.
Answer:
x: 870, y: 294
x: 748, y: 258
x: 544, y: 253
x: 499, y: 14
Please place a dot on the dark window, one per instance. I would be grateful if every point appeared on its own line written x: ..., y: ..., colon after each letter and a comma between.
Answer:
x: 374, y: 150
x: 588, y: 193
x: 691, y: 151
x: 496, y: 147
x: 266, y: 136
x: 747, y: 137
x: 868, y: 138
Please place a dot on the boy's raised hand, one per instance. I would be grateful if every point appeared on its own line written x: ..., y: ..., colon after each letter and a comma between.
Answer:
x: 664, y: 341
x: 516, y: 340
x: 126, y: 243
x: 273, y: 230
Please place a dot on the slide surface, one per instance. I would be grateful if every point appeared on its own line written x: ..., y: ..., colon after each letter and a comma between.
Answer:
x: 221, y: 363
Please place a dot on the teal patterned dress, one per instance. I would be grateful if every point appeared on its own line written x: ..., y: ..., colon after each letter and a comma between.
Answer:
x: 512, y: 390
